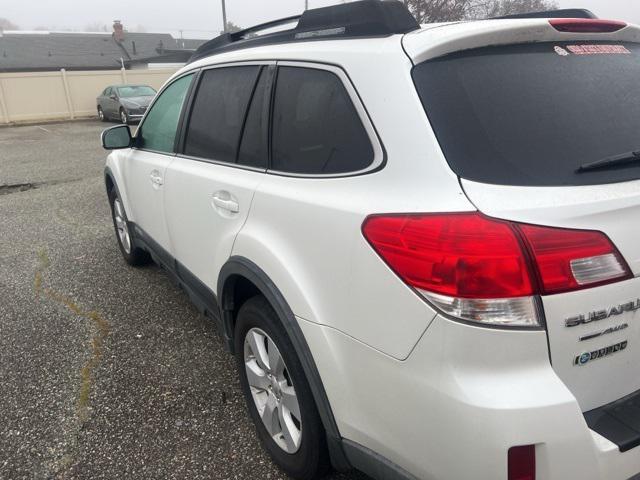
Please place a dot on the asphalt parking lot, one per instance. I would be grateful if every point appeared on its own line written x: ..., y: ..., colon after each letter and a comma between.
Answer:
x: 105, y: 371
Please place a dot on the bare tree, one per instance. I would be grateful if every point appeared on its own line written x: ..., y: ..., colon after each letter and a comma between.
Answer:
x: 429, y: 11
x: 6, y: 24
x: 497, y: 8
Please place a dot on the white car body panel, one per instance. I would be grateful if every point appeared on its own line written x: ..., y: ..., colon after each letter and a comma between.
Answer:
x: 613, y: 209
x: 202, y: 233
x: 343, y: 290
x: 145, y: 198
x: 463, y: 397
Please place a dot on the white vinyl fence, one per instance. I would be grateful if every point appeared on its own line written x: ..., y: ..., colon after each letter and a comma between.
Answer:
x: 42, y: 96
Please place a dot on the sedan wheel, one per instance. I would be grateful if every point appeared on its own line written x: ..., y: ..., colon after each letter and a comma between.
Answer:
x: 124, y: 118
x: 272, y: 390
x: 101, y: 114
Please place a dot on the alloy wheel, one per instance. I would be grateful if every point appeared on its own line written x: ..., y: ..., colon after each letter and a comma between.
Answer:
x: 123, y: 117
x: 272, y: 390
x: 121, y: 225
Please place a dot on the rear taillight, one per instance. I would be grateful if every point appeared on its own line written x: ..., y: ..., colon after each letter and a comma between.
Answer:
x: 568, y: 260
x: 485, y: 270
x: 522, y: 463
x: 586, y: 25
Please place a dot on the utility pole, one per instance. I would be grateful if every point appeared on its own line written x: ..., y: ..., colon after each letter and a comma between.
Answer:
x: 306, y: 5
x: 224, y: 16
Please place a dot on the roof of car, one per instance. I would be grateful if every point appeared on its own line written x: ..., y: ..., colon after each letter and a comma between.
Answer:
x: 429, y: 43
x: 420, y: 43
x: 360, y: 19
x: 372, y: 19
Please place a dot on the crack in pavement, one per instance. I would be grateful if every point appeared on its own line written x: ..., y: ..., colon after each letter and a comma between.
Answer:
x: 16, y: 187
x: 7, y: 189
x: 101, y: 327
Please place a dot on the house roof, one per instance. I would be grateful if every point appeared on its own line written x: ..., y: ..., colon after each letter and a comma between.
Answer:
x: 80, y: 51
x: 168, y: 56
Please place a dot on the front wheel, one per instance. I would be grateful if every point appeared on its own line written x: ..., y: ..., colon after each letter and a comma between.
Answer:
x: 277, y: 393
x: 124, y: 118
x: 133, y: 255
x: 101, y: 115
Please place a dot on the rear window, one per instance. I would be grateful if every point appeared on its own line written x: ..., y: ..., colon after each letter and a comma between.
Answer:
x: 532, y: 114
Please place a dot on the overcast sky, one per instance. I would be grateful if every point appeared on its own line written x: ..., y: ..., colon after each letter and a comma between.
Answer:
x: 202, y: 18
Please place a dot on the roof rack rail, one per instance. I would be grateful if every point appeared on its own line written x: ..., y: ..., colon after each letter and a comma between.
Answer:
x: 361, y: 19
x: 562, y: 13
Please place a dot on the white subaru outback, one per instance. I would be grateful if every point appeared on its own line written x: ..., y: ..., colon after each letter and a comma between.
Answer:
x: 421, y: 244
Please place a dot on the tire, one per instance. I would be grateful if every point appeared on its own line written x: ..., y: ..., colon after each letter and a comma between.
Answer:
x: 124, y: 118
x: 101, y: 115
x: 133, y: 255
x: 309, y: 459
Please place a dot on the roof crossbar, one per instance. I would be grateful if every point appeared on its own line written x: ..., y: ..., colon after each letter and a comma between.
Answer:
x: 562, y: 13
x: 361, y: 19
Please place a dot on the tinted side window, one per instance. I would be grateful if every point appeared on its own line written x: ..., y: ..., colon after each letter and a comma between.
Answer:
x: 316, y: 128
x: 219, y: 112
x: 254, y: 149
x: 158, y: 132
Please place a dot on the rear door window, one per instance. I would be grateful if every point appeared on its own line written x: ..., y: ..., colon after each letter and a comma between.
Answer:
x: 316, y: 127
x: 219, y: 111
x: 532, y: 114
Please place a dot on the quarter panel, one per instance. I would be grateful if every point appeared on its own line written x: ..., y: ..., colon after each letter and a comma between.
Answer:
x: 313, y: 250
x: 305, y: 233
x: 455, y: 406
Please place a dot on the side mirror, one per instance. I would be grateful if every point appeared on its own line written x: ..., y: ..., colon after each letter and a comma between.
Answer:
x: 113, y: 97
x: 117, y: 137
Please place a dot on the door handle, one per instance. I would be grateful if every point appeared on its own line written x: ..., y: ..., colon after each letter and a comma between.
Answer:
x: 224, y: 202
x: 156, y: 178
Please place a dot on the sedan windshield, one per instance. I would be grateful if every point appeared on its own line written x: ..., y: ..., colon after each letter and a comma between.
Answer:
x: 136, y: 91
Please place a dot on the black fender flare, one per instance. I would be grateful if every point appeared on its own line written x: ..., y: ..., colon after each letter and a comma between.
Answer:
x: 238, y: 266
x: 108, y: 175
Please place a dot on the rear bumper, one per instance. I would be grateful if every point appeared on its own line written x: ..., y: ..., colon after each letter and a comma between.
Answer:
x: 614, y: 464
x: 618, y: 422
x: 463, y: 397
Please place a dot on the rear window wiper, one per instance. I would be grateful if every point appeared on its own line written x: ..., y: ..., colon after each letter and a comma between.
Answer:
x: 611, y: 162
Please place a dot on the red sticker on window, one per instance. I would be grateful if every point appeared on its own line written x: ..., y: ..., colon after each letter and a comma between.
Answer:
x: 598, y: 50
